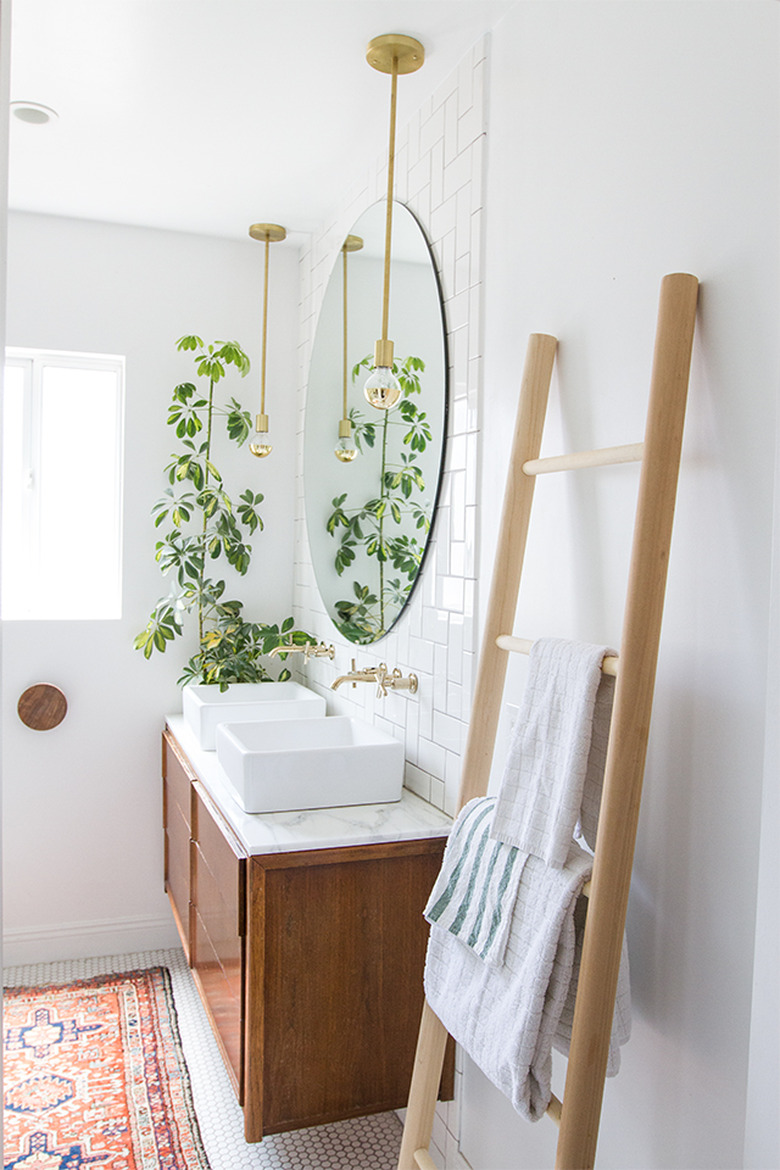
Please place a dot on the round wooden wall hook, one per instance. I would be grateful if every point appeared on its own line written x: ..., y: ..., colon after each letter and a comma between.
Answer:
x: 42, y: 707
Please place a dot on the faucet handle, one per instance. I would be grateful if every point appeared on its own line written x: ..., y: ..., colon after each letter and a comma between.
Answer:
x: 319, y: 650
x: 397, y: 682
x: 380, y: 673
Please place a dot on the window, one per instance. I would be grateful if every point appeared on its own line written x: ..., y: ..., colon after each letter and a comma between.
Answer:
x: 62, y: 485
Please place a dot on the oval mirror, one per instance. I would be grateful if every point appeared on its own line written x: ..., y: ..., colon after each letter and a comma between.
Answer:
x: 369, y: 517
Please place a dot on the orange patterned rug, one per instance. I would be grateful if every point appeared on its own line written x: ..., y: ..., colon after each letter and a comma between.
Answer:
x: 94, y: 1075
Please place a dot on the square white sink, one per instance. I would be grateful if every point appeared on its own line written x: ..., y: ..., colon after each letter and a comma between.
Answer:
x: 206, y: 706
x: 310, y: 763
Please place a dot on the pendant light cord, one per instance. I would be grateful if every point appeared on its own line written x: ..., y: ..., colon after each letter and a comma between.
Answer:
x: 265, y: 324
x: 389, y: 220
x: 344, y: 398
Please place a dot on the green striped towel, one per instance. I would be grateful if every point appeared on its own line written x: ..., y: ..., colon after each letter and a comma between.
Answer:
x: 475, y: 892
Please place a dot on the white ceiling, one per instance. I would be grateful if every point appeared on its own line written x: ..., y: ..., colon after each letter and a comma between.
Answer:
x: 209, y: 115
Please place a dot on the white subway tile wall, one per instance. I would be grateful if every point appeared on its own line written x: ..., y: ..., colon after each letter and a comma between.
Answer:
x: 439, y: 175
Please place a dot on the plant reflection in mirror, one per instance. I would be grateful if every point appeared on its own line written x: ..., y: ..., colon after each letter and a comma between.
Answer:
x: 204, y: 527
x: 385, y: 526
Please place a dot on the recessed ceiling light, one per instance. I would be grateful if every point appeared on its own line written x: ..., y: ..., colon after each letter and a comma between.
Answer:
x: 33, y: 113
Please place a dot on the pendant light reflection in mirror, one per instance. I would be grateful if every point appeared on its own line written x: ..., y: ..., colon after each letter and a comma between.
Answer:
x: 268, y: 233
x: 345, y: 448
x: 395, y: 54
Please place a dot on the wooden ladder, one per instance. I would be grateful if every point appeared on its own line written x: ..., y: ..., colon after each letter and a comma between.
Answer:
x: 579, y: 1112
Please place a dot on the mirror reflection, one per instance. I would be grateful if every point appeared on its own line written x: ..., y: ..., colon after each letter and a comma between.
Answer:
x: 369, y: 517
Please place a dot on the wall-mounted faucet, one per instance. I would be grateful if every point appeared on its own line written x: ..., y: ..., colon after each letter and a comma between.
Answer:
x: 309, y: 650
x: 385, y: 679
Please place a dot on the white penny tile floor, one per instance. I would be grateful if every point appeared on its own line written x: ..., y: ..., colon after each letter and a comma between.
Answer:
x: 364, y: 1143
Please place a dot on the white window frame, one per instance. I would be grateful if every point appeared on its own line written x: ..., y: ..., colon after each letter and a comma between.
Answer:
x: 34, y: 362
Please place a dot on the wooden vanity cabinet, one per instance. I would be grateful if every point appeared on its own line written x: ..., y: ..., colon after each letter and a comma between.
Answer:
x: 309, y: 963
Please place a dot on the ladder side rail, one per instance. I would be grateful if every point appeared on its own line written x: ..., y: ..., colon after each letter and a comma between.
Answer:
x: 424, y: 1088
x: 624, y: 772
x: 508, y: 566
x: 488, y: 693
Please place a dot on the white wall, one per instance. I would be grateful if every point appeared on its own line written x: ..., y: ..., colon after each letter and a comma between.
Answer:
x: 626, y: 141
x: 83, y: 844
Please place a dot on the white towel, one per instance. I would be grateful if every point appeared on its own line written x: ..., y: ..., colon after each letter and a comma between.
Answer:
x: 508, y: 1018
x: 474, y: 895
x: 543, y: 792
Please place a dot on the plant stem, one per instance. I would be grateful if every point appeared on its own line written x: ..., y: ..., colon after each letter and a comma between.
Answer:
x: 203, y: 529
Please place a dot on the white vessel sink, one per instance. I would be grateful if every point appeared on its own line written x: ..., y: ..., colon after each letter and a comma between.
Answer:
x: 310, y: 763
x: 206, y: 706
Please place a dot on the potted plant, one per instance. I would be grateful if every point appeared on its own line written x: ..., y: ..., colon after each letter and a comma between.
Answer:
x: 201, y: 528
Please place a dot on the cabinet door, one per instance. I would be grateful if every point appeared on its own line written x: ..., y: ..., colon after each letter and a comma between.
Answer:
x: 336, y: 987
x: 218, y: 923
x: 177, y: 784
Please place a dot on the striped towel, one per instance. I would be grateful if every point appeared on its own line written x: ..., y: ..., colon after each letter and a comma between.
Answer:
x: 476, y: 889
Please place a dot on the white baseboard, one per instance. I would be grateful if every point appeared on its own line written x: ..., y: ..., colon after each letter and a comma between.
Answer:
x: 83, y: 940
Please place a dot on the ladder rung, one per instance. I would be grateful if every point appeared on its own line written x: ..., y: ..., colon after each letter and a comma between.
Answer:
x: 554, y: 1109
x: 605, y: 457
x: 424, y: 1160
x: 523, y: 646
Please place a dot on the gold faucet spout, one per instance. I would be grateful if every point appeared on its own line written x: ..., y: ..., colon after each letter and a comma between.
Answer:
x: 367, y: 674
x: 384, y: 678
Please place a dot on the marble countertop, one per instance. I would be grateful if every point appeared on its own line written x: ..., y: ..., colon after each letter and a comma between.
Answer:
x: 408, y: 819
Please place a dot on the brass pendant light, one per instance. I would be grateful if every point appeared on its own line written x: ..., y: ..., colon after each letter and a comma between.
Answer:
x: 269, y: 233
x: 395, y: 54
x: 345, y: 448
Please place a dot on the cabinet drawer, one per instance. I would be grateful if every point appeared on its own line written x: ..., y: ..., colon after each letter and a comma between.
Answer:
x: 178, y: 779
x: 217, y: 893
x: 219, y: 909
x: 177, y: 870
x: 221, y: 993
x: 218, y: 879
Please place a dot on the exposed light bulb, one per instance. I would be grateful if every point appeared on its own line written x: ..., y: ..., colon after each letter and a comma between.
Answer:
x: 382, y: 388
x: 345, y: 449
x: 260, y: 446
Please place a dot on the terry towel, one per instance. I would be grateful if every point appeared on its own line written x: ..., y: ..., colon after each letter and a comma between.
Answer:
x: 552, y: 778
x: 475, y: 893
x: 509, y: 1017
